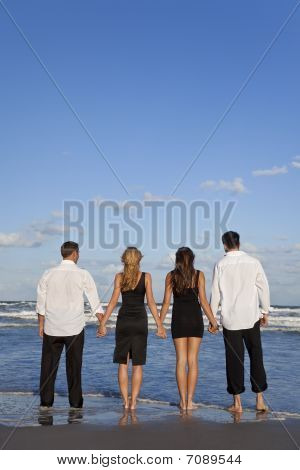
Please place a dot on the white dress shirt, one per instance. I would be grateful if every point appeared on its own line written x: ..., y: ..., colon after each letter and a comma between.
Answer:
x: 60, y: 298
x: 239, y: 287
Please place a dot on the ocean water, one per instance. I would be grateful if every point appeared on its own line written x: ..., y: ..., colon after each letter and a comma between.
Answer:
x: 20, y: 354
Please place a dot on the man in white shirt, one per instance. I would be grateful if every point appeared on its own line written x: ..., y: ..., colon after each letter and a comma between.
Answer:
x: 60, y: 308
x: 239, y: 288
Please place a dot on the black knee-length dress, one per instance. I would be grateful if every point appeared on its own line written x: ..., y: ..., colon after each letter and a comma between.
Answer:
x: 187, y: 318
x: 132, y: 326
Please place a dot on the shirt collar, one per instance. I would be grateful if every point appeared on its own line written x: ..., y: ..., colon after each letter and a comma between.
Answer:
x: 67, y: 261
x: 235, y: 253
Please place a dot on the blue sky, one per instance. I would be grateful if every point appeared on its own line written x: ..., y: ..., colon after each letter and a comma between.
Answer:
x: 150, y: 80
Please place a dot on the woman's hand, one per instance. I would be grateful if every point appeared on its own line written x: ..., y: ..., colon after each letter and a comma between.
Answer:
x: 102, y: 331
x: 213, y: 327
x: 161, y: 332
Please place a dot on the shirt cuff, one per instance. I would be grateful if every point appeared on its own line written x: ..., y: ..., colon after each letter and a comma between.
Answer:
x: 41, y: 313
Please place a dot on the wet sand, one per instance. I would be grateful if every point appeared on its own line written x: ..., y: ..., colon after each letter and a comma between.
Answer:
x: 103, y: 424
x: 171, y: 433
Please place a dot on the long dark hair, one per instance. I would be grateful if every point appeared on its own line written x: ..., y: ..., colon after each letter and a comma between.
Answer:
x: 184, y: 271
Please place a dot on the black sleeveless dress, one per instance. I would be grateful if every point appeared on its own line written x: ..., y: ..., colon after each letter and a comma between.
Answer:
x: 132, y: 326
x: 187, y: 319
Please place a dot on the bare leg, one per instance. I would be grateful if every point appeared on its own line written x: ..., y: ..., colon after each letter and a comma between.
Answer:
x: 236, y: 407
x: 136, y: 382
x: 181, y: 362
x: 193, y: 345
x: 123, y: 382
x: 260, y: 403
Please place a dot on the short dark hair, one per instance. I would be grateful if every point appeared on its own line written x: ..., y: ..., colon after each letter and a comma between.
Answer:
x: 231, y: 240
x: 67, y: 249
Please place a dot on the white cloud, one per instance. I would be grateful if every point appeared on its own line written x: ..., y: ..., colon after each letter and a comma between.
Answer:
x: 208, y: 184
x: 282, y: 238
x: 98, y: 200
x: 234, y: 186
x: 296, y: 162
x: 249, y: 247
x: 111, y: 268
x: 57, y: 214
x: 167, y: 262
x: 17, y: 239
x: 154, y: 197
x: 34, y: 234
x: 48, y: 228
x: 275, y: 170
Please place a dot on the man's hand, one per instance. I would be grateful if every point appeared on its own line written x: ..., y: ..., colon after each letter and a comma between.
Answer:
x: 41, y: 325
x: 213, y: 327
x: 102, y: 331
x: 264, y: 320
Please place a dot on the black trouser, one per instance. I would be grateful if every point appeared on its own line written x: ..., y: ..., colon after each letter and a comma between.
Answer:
x: 52, y: 349
x: 234, y: 348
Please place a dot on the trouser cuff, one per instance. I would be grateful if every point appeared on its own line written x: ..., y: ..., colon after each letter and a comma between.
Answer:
x: 260, y: 389
x: 235, y: 392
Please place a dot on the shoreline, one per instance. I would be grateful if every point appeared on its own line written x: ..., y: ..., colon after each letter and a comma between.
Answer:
x: 170, y: 434
x: 103, y: 423
x: 22, y: 409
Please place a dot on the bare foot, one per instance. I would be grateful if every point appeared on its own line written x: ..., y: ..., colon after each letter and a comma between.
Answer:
x: 126, y: 405
x: 235, y: 408
x: 191, y: 406
x: 260, y: 404
x: 182, y: 405
x: 133, y: 405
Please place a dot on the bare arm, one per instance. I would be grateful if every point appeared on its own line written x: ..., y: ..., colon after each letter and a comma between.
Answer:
x: 112, y: 303
x: 167, y: 298
x: 204, y: 302
x: 152, y: 304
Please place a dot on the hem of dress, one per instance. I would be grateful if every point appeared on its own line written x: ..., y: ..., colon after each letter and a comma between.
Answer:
x: 187, y: 336
x: 134, y: 363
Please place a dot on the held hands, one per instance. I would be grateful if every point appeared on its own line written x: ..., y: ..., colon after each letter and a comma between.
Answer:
x: 161, y: 332
x: 102, y: 330
x: 213, y: 327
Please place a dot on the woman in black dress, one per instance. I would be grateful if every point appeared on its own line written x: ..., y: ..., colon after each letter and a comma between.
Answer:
x: 188, y: 288
x: 132, y: 322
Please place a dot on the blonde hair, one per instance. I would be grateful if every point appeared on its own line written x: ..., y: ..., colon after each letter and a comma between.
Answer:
x: 131, y: 259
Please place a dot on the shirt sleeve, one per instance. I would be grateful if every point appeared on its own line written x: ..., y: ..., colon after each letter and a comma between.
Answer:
x: 42, y: 295
x: 215, y: 298
x: 263, y: 289
x: 91, y: 293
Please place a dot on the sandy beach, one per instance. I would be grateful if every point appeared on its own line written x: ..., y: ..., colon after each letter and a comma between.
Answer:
x: 103, y: 424
x: 172, y: 433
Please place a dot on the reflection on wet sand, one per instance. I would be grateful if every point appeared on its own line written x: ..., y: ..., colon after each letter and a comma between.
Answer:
x: 128, y: 417
x: 46, y: 416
